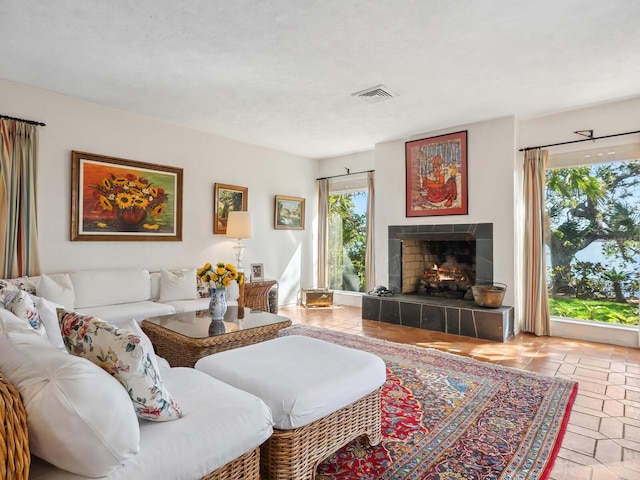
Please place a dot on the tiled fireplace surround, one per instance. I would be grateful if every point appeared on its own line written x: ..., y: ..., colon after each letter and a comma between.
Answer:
x: 461, y: 317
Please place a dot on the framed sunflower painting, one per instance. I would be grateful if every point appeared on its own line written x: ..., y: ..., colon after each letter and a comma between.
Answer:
x: 124, y: 200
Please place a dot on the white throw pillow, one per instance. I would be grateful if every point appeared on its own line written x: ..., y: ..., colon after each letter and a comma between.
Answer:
x: 122, y: 354
x: 79, y: 418
x: 58, y: 290
x: 178, y: 285
x: 21, y: 305
x: 49, y: 319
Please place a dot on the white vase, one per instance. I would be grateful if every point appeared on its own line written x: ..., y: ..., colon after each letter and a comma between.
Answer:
x: 218, y: 303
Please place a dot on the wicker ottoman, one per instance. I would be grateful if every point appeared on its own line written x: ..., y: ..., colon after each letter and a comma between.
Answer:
x: 321, y: 396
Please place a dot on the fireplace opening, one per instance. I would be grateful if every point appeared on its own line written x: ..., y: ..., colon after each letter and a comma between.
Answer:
x: 449, y: 269
x: 440, y: 267
x: 440, y: 260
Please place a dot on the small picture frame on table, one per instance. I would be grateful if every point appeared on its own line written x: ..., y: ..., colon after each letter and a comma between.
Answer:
x: 257, y: 274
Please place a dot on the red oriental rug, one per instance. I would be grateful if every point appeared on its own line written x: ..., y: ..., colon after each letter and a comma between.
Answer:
x: 448, y: 417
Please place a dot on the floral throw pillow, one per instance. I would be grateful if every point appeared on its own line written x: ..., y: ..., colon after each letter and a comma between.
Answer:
x: 6, y: 286
x: 204, y: 291
x: 21, y: 305
x: 122, y: 354
x: 24, y: 283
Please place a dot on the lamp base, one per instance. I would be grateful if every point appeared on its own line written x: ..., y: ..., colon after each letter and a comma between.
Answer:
x: 239, y: 248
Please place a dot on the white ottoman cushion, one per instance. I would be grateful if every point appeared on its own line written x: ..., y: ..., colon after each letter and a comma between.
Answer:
x: 301, y: 379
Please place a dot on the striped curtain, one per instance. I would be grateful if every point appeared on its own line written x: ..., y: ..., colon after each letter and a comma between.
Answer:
x: 536, y: 316
x: 369, y: 263
x: 323, y: 233
x: 18, y: 229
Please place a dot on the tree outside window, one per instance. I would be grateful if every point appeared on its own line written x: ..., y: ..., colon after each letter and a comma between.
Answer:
x: 347, y: 241
x: 594, y: 241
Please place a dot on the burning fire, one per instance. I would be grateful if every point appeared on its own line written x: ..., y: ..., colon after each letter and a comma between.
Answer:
x: 444, y: 275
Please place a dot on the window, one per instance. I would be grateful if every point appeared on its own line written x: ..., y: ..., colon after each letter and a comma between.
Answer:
x: 593, y: 247
x: 347, y: 233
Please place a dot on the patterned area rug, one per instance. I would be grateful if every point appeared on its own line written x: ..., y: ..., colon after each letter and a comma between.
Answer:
x: 449, y: 417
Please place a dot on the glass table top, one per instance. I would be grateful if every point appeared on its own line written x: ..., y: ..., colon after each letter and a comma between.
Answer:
x: 200, y: 325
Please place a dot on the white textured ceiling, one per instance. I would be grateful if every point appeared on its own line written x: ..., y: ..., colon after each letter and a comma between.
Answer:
x: 280, y: 73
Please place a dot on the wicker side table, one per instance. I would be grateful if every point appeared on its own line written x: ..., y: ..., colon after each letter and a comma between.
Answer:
x: 256, y: 294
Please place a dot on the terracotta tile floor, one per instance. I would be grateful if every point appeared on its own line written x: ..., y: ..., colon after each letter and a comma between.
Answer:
x: 603, y: 436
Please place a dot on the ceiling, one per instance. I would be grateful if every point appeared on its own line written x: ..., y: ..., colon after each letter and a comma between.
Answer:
x: 280, y: 73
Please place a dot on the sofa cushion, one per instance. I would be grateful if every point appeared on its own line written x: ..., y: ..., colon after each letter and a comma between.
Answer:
x: 79, y: 418
x: 211, y: 433
x: 122, y: 354
x: 122, y: 312
x: 22, y: 306
x: 178, y: 285
x: 95, y: 288
x: 56, y: 288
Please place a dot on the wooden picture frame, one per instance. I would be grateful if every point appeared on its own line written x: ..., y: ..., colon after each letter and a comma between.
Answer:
x: 289, y: 213
x: 114, y: 199
x: 436, y: 175
x: 227, y: 198
x: 257, y: 272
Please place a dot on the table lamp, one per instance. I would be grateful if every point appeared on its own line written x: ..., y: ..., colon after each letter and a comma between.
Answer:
x: 240, y: 226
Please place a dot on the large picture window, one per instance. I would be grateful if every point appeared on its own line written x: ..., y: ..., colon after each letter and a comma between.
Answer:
x: 593, y: 242
x: 347, y: 233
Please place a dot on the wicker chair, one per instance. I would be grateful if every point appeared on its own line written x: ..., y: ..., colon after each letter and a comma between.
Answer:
x: 14, y: 444
x: 14, y: 441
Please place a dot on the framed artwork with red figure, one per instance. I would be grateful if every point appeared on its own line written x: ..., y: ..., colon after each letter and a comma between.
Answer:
x: 436, y: 175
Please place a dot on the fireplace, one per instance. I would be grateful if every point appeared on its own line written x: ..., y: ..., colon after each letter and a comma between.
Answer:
x: 432, y: 298
x: 442, y: 260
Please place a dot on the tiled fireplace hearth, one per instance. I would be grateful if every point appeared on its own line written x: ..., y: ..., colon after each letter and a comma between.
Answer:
x: 459, y: 317
x: 431, y: 270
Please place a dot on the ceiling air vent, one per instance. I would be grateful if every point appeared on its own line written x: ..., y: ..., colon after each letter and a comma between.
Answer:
x: 376, y: 94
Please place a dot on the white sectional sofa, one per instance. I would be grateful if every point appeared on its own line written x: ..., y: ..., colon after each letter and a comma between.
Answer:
x: 81, y: 421
x: 116, y: 295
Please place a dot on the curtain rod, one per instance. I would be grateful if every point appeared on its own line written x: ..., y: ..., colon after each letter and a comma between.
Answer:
x: 580, y: 132
x: 345, y: 174
x: 30, y: 122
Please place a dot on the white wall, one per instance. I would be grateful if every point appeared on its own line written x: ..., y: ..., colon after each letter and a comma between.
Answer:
x: 605, y: 119
x: 287, y: 255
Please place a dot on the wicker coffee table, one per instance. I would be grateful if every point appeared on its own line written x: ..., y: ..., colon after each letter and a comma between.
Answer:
x: 184, y: 338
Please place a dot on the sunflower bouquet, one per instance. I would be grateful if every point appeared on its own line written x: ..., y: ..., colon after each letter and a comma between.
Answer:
x: 130, y: 192
x: 220, y: 275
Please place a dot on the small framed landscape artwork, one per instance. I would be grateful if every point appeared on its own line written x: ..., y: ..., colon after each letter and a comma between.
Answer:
x: 436, y: 175
x: 289, y: 213
x: 227, y: 198
x: 117, y: 199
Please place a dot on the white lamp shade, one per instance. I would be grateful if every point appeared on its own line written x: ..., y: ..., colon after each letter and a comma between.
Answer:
x: 239, y: 225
